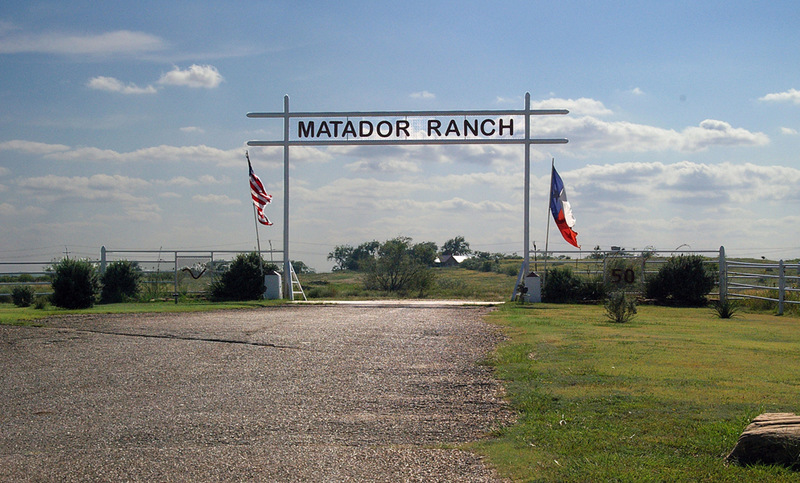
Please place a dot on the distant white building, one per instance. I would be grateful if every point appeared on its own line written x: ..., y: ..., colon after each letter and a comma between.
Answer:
x: 450, y: 260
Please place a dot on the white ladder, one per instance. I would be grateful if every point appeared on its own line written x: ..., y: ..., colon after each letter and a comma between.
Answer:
x: 296, y: 281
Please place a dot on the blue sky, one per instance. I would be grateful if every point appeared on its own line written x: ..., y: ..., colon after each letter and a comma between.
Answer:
x: 123, y: 124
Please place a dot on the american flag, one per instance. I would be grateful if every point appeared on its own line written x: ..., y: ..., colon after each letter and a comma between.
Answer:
x: 259, y: 194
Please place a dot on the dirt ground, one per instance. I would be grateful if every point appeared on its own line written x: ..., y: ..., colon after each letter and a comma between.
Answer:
x: 296, y: 393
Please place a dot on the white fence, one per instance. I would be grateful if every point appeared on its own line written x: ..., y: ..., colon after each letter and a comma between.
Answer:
x: 171, y: 273
x: 753, y: 280
x: 165, y: 273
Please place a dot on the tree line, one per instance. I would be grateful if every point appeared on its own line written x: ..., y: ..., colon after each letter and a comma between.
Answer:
x: 363, y: 256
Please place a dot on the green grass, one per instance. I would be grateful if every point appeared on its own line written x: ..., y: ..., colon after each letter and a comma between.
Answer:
x: 661, y: 398
x: 449, y: 283
x: 12, y: 315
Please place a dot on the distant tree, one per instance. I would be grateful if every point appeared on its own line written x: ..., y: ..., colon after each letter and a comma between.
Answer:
x: 363, y: 253
x: 425, y: 252
x: 347, y: 257
x: 456, y: 246
x: 300, y: 267
x: 399, y: 266
x: 341, y: 255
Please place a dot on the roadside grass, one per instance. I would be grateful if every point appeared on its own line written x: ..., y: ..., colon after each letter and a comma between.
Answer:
x: 12, y: 315
x: 661, y: 398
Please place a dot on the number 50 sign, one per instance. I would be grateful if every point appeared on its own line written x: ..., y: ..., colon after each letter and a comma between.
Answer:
x: 624, y: 271
x: 619, y: 275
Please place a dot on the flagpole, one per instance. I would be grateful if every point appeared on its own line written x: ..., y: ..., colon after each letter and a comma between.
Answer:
x: 547, y: 236
x: 255, y: 221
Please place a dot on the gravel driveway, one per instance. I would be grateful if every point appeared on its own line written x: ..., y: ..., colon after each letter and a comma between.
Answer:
x: 296, y: 393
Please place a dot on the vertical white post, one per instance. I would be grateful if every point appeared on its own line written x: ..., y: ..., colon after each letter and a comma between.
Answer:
x: 523, y: 271
x: 102, y: 259
x: 781, y: 286
x: 287, y: 274
x: 723, y: 276
x: 527, y: 197
x: 175, y: 293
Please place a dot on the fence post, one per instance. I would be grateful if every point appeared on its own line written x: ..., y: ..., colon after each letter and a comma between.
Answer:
x: 781, y: 286
x: 175, y: 293
x: 102, y: 259
x: 644, y: 267
x: 723, y: 276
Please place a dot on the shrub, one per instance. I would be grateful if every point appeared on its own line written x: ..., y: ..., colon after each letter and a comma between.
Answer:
x: 242, y: 280
x: 684, y: 280
x: 120, y: 281
x: 75, y: 284
x: 22, y: 295
x: 726, y: 309
x: 397, y: 268
x: 619, y: 307
x: 593, y: 289
x: 561, y: 286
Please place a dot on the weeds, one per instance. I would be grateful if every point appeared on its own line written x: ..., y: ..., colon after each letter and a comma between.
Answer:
x: 725, y: 309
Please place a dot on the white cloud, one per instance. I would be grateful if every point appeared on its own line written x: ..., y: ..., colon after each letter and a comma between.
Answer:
x: 194, y: 154
x: 7, y: 209
x: 792, y: 95
x: 143, y: 212
x: 205, y: 76
x: 111, y: 84
x: 788, y: 131
x: 702, y: 185
x: 32, y: 147
x: 386, y: 166
x: 98, y: 187
x: 192, y: 129
x: 117, y: 42
x: 589, y: 133
x: 216, y: 199
x: 185, y: 182
x: 637, y: 92
x: 422, y: 95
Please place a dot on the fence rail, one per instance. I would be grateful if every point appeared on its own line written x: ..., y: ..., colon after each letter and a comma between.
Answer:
x: 165, y: 273
x: 752, y: 280
x: 171, y: 273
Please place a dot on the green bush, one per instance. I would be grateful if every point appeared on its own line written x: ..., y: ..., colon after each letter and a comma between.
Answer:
x: 620, y: 308
x: 75, y: 284
x: 120, y: 281
x: 40, y: 303
x: 684, y: 280
x: 561, y: 286
x: 22, y: 295
x: 242, y: 280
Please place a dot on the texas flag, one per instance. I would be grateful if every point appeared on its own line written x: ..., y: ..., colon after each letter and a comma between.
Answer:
x: 561, y: 210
